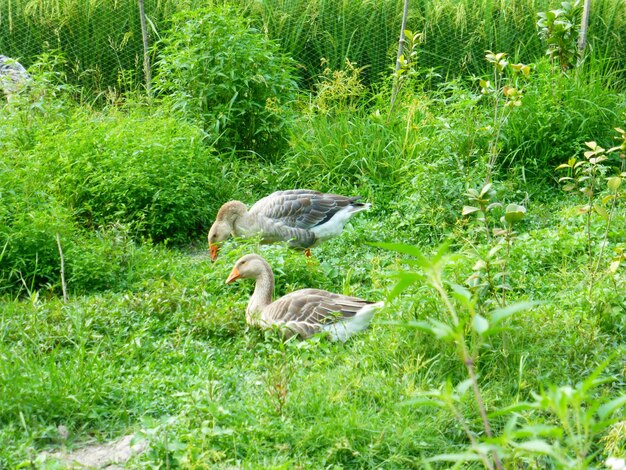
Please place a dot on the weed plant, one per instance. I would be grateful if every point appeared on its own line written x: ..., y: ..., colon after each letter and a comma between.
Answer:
x: 151, y: 342
x: 558, y: 115
x: 218, y: 72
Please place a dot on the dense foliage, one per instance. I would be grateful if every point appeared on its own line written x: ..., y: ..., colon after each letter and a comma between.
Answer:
x: 216, y: 70
x: 102, y: 40
x: 497, y: 238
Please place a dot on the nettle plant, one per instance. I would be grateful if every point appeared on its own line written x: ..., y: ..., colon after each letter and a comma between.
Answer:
x: 560, y: 30
x: 588, y: 177
x: 491, y: 270
x: 505, y: 91
x: 560, y: 426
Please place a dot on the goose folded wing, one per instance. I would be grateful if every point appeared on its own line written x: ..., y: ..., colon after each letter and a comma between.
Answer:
x: 307, y: 310
x: 302, y: 209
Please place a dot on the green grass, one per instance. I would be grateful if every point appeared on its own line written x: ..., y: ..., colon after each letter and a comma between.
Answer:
x: 152, y: 342
x: 172, y: 359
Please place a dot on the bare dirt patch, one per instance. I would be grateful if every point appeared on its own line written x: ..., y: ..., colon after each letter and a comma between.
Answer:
x: 110, y: 455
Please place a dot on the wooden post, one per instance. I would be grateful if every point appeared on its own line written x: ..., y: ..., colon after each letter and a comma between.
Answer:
x: 394, y: 93
x: 63, y: 285
x: 146, y: 53
x: 584, y: 24
x: 405, y: 13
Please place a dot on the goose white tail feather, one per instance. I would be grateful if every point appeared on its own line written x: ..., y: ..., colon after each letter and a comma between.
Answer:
x: 342, y: 330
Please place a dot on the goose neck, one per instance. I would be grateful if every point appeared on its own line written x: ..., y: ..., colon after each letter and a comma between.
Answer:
x: 261, y: 297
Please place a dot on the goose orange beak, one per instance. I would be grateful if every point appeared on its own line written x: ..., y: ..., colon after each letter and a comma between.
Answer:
x: 213, y: 248
x: 233, y: 276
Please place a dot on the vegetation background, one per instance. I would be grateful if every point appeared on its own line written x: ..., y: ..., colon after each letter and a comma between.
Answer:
x: 497, y: 234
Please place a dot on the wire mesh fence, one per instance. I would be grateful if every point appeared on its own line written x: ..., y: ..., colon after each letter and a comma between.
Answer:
x: 101, y: 40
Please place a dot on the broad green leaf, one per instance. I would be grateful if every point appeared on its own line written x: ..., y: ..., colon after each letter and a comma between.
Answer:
x: 614, y: 182
x: 405, y: 280
x: 538, y: 446
x: 463, y: 387
x: 608, y: 408
x: 441, y: 252
x: 441, y: 330
x: 437, y: 328
x: 485, y: 189
x: 587, y: 191
x: 614, y: 266
x: 583, y: 209
x: 514, y: 213
x: 494, y: 250
x: 480, y: 265
x: 501, y: 313
x: 601, y: 211
x: 461, y: 294
x: 515, y: 408
x: 469, y: 210
x: 534, y: 430
x: 480, y: 324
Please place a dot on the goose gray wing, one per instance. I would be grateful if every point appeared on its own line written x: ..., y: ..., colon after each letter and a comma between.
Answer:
x: 302, y: 208
x: 305, y: 311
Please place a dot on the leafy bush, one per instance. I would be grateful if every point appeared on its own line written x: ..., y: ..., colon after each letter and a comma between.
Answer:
x: 154, y: 175
x: 30, y: 219
x: 560, y: 113
x: 220, y: 72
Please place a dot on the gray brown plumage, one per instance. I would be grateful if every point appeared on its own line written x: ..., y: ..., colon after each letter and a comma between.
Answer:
x: 304, y: 312
x: 300, y: 217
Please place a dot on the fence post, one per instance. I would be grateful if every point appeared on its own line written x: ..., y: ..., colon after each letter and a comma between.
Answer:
x: 146, y: 53
x: 394, y: 94
x: 584, y: 24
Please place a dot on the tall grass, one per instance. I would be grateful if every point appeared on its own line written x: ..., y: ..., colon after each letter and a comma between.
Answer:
x: 101, y: 39
x: 456, y: 33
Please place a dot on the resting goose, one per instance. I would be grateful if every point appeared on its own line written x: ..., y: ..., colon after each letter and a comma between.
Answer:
x: 300, y: 216
x: 303, y: 312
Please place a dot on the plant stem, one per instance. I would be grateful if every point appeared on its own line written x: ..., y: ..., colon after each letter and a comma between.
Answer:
x: 469, y: 364
x: 604, y: 237
x: 470, y: 435
x: 63, y: 285
x: 589, y: 211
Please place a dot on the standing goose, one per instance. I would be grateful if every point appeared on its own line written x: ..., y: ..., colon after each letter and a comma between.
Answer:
x: 303, y: 312
x: 300, y: 216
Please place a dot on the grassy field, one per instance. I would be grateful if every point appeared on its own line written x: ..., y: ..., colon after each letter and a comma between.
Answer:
x: 501, y: 344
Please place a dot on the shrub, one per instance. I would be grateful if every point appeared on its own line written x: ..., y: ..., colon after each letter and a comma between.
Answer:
x: 220, y: 72
x: 30, y: 218
x: 154, y: 175
x: 560, y: 113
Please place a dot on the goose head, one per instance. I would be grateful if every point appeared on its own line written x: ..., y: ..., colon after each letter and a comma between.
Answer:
x: 249, y: 266
x: 224, y: 225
